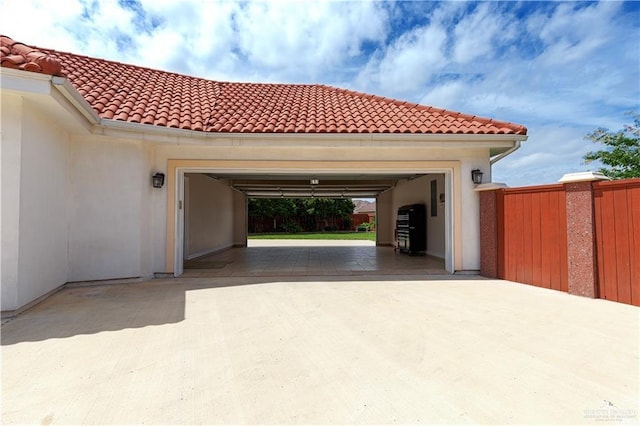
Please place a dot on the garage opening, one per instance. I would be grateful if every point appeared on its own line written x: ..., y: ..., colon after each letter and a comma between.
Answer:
x: 215, y: 225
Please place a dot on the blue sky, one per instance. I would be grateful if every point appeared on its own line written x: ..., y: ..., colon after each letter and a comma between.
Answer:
x: 560, y: 68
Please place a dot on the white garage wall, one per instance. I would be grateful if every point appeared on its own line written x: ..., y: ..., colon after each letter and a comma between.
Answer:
x: 43, y: 206
x: 10, y: 150
x: 418, y: 191
x: 110, y: 181
x: 470, y: 206
x: 34, y: 208
x: 209, y: 215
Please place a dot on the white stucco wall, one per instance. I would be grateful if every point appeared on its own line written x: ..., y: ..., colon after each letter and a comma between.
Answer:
x: 43, y: 205
x: 418, y: 191
x: 470, y: 206
x: 10, y: 151
x: 110, y: 180
x: 208, y: 216
x: 34, y: 203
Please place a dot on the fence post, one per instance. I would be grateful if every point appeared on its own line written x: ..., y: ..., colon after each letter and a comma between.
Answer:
x: 489, y: 228
x: 581, y: 242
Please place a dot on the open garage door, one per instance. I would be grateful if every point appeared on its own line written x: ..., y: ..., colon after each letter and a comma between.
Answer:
x: 391, y: 186
x: 210, y: 208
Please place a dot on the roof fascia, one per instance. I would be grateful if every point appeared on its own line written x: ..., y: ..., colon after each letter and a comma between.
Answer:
x: 24, y: 81
x: 159, y: 134
x: 77, y: 100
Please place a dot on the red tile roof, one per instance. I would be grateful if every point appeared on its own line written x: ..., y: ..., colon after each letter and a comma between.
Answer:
x: 19, y: 56
x: 141, y: 95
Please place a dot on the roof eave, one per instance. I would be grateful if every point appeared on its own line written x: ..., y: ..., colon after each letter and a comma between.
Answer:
x: 108, y: 126
x: 77, y: 100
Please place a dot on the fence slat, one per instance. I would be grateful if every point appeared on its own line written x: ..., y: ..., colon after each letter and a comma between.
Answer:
x: 545, y: 266
x: 527, y: 249
x: 621, y: 226
x: 608, y: 248
x: 634, y: 243
x: 554, y: 237
x: 536, y: 238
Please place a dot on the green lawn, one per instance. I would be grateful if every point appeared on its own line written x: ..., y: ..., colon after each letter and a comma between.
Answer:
x: 371, y: 236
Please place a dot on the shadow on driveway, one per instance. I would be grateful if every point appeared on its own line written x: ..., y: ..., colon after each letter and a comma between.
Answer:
x: 95, y: 309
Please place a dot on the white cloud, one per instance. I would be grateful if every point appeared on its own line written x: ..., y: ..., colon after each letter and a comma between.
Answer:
x: 477, y: 34
x: 408, y: 63
x: 307, y: 39
x: 446, y: 95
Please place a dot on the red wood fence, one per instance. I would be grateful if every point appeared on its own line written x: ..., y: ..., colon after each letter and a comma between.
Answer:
x: 532, y: 236
x: 617, y: 223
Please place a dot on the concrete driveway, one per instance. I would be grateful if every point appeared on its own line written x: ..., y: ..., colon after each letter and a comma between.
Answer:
x: 332, y: 351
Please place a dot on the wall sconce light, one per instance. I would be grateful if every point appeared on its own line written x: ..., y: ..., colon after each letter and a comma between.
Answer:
x: 476, y: 176
x: 158, y: 180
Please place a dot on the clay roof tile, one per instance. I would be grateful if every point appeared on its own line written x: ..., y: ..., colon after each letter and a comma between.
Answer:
x: 138, y: 94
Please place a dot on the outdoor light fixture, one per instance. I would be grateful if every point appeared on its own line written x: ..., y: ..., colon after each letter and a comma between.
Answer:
x: 314, y: 181
x: 476, y: 176
x: 158, y: 180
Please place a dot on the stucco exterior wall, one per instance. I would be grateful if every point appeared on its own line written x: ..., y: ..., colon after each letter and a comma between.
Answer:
x: 34, y: 203
x: 110, y: 181
x: 10, y: 151
x: 209, y: 215
x: 43, y: 205
x: 470, y: 205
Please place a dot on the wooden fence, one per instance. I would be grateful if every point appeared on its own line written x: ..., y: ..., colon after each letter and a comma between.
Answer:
x: 533, y: 233
x: 533, y: 247
x: 617, y: 223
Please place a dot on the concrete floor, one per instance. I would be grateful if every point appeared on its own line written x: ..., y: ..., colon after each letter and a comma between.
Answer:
x: 329, y: 350
x: 312, y: 258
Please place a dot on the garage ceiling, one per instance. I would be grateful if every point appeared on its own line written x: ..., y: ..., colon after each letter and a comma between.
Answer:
x: 305, y: 186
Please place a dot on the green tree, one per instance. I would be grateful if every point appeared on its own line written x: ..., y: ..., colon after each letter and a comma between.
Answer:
x: 321, y: 209
x: 272, y: 208
x: 621, y: 155
x: 317, y: 210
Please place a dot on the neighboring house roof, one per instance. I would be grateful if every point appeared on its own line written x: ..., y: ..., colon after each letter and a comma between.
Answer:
x: 364, y: 206
x: 142, y: 95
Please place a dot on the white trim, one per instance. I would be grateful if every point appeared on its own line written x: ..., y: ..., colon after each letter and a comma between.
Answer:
x: 582, y: 177
x: 449, y: 222
x: 449, y: 207
x: 76, y: 99
x: 24, y: 81
x: 178, y: 267
x: 246, y: 138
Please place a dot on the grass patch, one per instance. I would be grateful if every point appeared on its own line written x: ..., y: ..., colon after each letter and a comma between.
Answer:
x: 370, y: 236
